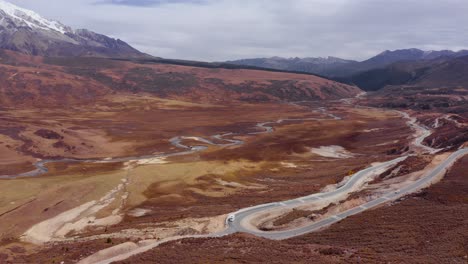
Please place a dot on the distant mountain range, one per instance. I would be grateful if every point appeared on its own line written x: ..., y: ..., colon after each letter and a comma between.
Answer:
x: 321, y: 66
x: 27, y: 32
x: 336, y: 67
x: 442, y: 72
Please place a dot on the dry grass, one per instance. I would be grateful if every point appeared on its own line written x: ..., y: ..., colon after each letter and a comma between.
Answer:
x: 24, y: 202
x: 205, y: 184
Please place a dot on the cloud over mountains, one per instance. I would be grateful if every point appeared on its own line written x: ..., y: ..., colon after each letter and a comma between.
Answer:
x: 225, y: 29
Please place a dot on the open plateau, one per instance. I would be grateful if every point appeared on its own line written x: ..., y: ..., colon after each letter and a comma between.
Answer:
x: 111, y: 155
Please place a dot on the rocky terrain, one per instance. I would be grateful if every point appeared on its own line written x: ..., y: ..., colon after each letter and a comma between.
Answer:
x: 27, y: 32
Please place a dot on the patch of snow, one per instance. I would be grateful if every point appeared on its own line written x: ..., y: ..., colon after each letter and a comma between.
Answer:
x: 230, y: 184
x: 332, y: 152
x: 436, y: 123
x: 372, y: 130
x: 150, y: 161
x: 30, y: 18
x: 138, y: 212
x: 387, y: 143
x: 288, y: 165
x: 428, y: 52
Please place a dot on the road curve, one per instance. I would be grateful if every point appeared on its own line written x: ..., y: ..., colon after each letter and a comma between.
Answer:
x: 354, y: 181
x: 423, y: 130
x: 239, y: 216
x: 243, y: 215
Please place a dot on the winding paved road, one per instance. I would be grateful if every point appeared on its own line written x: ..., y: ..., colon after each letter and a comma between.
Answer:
x: 425, y: 132
x: 243, y: 215
x: 240, y: 216
x: 236, y: 225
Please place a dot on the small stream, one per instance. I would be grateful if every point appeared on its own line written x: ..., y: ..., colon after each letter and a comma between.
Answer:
x: 41, y: 166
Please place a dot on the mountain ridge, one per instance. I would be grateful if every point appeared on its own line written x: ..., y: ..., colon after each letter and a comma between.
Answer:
x: 27, y: 32
x: 443, y: 72
x: 336, y: 67
x: 316, y: 65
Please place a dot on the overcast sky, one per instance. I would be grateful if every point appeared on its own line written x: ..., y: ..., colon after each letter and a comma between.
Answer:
x: 216, y: 30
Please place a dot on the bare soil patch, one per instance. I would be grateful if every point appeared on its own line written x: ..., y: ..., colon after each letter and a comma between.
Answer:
x: 428, y: 227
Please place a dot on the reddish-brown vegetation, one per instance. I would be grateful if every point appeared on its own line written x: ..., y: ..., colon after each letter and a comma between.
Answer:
x: 105, y: 118
x: 52, y: 82
x: 429, y: 227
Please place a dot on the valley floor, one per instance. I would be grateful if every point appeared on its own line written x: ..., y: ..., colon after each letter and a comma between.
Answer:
x: 286, y: 151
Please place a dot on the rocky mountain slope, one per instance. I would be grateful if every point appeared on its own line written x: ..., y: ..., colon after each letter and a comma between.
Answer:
x: 27, y: 32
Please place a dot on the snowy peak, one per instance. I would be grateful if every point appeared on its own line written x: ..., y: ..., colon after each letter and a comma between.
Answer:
x: 391, y: 56
x: 12, y: 15
x: 313, y: 60
x: 25, y: 31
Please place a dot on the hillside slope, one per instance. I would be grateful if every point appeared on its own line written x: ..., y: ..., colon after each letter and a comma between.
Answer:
x: 444, y: 72
x: 29, y: 80
x: 321, y: 66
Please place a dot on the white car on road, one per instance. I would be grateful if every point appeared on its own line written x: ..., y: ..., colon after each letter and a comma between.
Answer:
x: 231, y: 218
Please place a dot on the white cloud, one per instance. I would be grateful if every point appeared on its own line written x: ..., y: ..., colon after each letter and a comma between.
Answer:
x: 231, y: 29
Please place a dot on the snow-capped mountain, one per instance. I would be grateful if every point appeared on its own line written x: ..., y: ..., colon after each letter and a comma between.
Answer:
x: 28, y: 32
x: 21, y: 17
